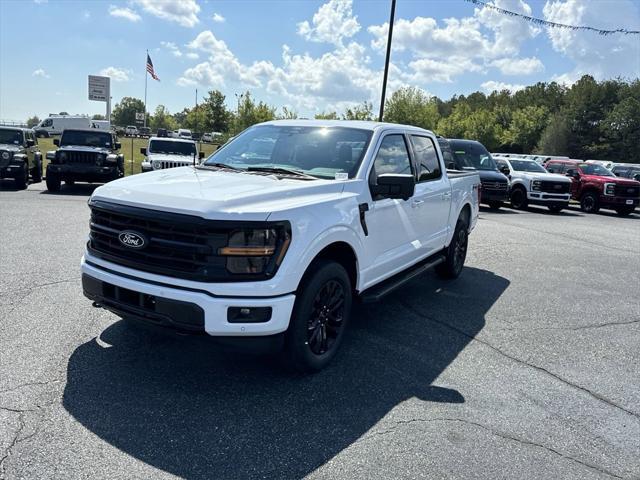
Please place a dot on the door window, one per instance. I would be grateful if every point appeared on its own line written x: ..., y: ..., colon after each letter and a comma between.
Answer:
x: 426, y: 158
x: 392, y: 156
x: 556, y: 168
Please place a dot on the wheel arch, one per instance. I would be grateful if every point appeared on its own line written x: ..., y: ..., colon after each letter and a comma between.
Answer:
x: 342, y: 253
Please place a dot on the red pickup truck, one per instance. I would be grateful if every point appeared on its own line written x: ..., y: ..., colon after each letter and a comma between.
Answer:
x: 596, y: 187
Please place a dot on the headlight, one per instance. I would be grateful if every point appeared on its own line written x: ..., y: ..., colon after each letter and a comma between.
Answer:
x: 100, y: 158
x: 6, y: 155
x: 256, y: 250
x: 156, y: 164
x: 536, y: 185
x: 609, y: 188
x: 62, y: 156
x: 112, y: 158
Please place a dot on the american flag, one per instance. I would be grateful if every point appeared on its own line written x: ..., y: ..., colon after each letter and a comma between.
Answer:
x: 150, y: 68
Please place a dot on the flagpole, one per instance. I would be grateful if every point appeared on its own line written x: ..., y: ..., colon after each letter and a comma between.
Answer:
x: 146, y: 74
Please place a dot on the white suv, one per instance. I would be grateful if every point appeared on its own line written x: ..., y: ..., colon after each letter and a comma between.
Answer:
x: 532, y: 184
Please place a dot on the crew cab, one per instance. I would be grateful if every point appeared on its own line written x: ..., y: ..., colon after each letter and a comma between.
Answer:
x: 164, y: 153
x: 272, y: 237
x: 88, y: 155
x: 469, y: 154
x: 596, y: 187
x: 532, y: 184
x: 20, y: 156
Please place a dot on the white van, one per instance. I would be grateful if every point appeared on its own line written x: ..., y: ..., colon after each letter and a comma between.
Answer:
x: 54, y: 125
x: 184, y: 133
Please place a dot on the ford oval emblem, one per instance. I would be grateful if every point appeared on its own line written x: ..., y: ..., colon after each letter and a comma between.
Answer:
x: 132, y: 239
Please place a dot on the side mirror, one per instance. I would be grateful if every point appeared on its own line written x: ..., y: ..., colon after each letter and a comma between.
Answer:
x: 143, y: 151
x: 117, y: 145
x: 505, y: 171
x: 56, y: 142
x: 30, y: 143
x: 573, y: 174
x: 201, y: 155
x: 394, y: 185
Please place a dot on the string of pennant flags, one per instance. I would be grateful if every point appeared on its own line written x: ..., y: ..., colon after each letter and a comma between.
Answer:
x: 546, y: 23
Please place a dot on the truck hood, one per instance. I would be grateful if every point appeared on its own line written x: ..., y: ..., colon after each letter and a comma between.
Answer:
x: 168, y: 157
x: 217, y: 195
x: 492, y: 176
x: 82, y: 148
x: 7, y: 147
x: 544, y: 176
x: 617, y: 180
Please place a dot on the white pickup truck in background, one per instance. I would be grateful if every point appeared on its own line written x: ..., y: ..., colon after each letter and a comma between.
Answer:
x: 273, y: 236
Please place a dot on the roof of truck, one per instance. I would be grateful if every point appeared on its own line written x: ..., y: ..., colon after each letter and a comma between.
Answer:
x: 362, y: 124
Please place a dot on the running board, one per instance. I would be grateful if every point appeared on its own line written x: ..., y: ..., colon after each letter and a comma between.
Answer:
x: 384, y: 288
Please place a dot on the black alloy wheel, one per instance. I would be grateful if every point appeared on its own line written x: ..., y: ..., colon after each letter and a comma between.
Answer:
x: 326, y: 321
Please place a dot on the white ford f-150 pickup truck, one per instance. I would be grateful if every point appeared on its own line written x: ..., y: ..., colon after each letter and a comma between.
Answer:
x: 274, y: 235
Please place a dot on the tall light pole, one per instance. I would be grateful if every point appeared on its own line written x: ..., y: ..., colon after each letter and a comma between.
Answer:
x: 386, y: 62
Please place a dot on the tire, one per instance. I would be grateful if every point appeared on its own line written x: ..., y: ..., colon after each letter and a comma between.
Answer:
x: 589, y: 203
x: 53, y: 181
x: 519, y: 199
x: 21, y: 180
x: 555, y: 208
x: 495, y: 205
x: 36, y: 172
x: 456, y: 252
x: 625, y: 211
x: 320, y: 316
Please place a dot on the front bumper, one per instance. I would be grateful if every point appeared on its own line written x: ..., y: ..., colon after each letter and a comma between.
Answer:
x: 490, y: 196
x: 553, y: 199
x: 12, y: 170
x: 180, y: 307
x: 614, y: 202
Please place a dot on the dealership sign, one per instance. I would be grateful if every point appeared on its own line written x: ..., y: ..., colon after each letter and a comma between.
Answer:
x: 99, y: 88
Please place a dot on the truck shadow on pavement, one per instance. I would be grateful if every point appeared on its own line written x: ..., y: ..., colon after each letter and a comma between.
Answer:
x: 184, y: 406
x: 82, y: 189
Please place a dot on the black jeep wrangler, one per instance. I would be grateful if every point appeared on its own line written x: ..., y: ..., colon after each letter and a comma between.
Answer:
x: 20, y: 156
x: 84, y: 156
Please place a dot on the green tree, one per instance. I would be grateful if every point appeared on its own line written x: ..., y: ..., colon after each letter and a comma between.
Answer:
x: 180, y: 117
x: 287, y: 114
x: 98, y: 116
x: 124, y: 112
x: 554, y: 139
x: 249, y: 113
x: 527, y: 124
x: 32, y: 121
x: 196, y: 119
x: 161, y: 118
x: 218, y: 117
x: 326, y: 116
x: 621, y: 129
x: 364, y: 111
x: 412, y: 106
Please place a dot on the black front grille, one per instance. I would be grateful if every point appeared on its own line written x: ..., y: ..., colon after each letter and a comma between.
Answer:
x: 84, y: 158
x: 555, y: 187
x: 180, y: 246
x: 495, y: 186
x: 631, y: 191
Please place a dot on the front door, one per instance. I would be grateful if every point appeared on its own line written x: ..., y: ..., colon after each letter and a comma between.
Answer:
x: 392, y: 240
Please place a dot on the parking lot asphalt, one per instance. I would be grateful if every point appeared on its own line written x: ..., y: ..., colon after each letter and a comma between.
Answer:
x: 527, y: 366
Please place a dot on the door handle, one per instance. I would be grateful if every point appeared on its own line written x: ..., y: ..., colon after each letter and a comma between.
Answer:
x: 416, y: 203
x: 446, y: 195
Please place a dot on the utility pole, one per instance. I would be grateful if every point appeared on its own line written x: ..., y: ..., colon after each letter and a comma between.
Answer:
x: 386, y: 62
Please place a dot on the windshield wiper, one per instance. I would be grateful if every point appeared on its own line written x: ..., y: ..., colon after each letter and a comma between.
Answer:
x: 219, y: 165
x: 280, y: 170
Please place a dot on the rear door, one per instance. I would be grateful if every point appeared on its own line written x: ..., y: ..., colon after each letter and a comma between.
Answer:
x: 431, y: 202
x: 391, y: 223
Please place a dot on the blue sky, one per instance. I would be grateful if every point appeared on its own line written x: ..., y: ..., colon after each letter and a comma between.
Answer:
x: 310, y: 56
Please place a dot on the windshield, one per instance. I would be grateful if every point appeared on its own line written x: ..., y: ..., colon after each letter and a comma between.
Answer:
x: 526, y: 166
x: 595, y: 169
x: 473, y: 155
x: 86, y: 139
x: 13, y: 137
x: 167, y: 146
x: 322, y: 152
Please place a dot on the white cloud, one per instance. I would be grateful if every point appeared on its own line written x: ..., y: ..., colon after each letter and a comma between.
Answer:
x: 173, y: 48
x: 183, y: 12
x: 117, y: 74
x: 192, y: 55
x: 218, y: 18
x: 40, y: 1
x: 518, y: 66
x: 124, y: 12
x: 603, y: 57
x: 40, y: 73
x: 509, y: 32
x: 428, y: 70
x: 493, y: 85
x: 333, y: 22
